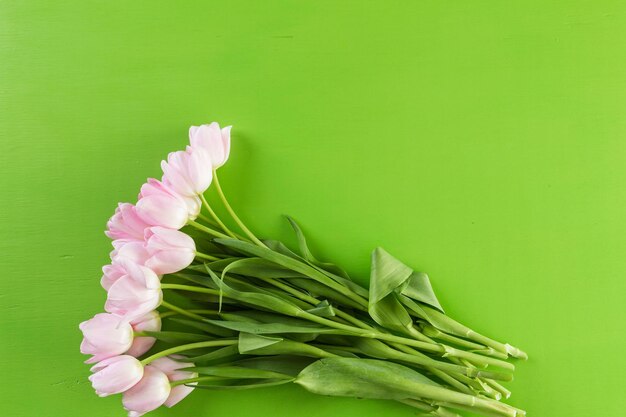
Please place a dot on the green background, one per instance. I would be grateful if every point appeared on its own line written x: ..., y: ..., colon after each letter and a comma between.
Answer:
x: 483, y: 142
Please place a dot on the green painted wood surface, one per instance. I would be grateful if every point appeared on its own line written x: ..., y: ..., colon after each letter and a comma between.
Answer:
x: 483, y: 142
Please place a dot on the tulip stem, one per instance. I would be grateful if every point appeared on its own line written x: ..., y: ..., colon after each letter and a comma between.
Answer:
x: 217, y: 219
x: 190, y: 346
x: 189, y: 288
x: 207, y: 257
x: 181, y: 311
x: 170, y: 313
x: 207, y: 229
x: 233, y: 214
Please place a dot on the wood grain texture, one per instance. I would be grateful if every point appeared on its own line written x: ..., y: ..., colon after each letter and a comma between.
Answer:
x: 481, y: 142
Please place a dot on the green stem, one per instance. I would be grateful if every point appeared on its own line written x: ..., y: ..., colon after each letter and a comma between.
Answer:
x: 216, y: 218
x: 439, y: 349
x: 207, y: 257
x: 197, y: 311
x: 207, y: 229
x: 190, y: 346
x: 189, y: 288
x: 179, y: 310
x: 232, y: 212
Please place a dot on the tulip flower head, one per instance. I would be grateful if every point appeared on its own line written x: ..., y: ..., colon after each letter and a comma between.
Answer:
x: 188, y: 172
x: 150, y: 322
x: 173, y: 371
x: 134, y: 294
x: 160, y: 205
x: 110, y: 274
x: 148, y: 394
x: 104, y: 336
x: 212, y: 140
x: 126, y: 224
x: 115, y: 375
x: 129, y: 251
x: 169, y: 250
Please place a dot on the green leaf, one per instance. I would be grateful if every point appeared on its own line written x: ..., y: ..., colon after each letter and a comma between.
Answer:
x: 308, y: 256
x: 318, y: 290
x: 259, y: 268
x: 226, y: 353
x: 284, y: 364
x: 292, y: 264
x: 322, y: 309
x: 418, y: 288
x: 205, y: 327
x: 263, y: 345
x: 178, y: 337
x: 392, y: 284
x: 249, y: 342
x: 270, y: 328
x: 242, y: 384
x: 363, y: 378
x: 257, y: 299
x: 237, y: 372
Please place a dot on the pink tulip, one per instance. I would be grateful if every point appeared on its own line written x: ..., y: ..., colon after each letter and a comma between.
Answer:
x: 132, y: 251
x: 105, y: 335
x: 110, y: 274
x: 213, y: 140
x: 150, y: 322
x: 115, y: 375
x: 134, y: 294
x: 149, y: 393
x: 160, y: 205
x: 188, y: 172
x: 126, y: 224
x: 171, y: 368
x: 170, y: 250
x: 124, y: 252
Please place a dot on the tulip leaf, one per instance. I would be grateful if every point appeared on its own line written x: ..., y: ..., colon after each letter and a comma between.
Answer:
x: 257, y: 299
x: 176, y: 337
x: 391, y: 284
x: 270, y: 328
x: 259, y: 268
x: 242, y: 384
x: 263, y: 345
x: 418, y: 288
x: 322, y: 291
x: 363, y: 378
x: 226, y: 353
x: 249, y: 342
x: 284, y: 364
x: 236, y: 372
x: 205, y: 327
x: 291, y: 263
x: 322, y: 309
x: 218, y: 265
x: 308, y: 256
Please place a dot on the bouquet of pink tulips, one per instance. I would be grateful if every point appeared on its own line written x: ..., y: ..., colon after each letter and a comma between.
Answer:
x: 232, y: 311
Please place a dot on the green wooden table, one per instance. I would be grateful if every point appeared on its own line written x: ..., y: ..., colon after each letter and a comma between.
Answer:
x: 484, y: 143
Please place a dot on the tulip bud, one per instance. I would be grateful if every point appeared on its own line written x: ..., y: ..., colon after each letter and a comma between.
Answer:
x: 115, y: 375
x: 150, y: 322
x: 171, y: 368
x: 213, y: 141
x: 148, y: 394
x: 104, y: 336
x: 188, y: 172
x: 134, y: 294
x: 159, y: 205
x: 126, y: 224
x: 169, y: 250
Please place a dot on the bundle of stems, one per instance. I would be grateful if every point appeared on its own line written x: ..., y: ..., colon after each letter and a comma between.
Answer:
x: 255, y: 313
